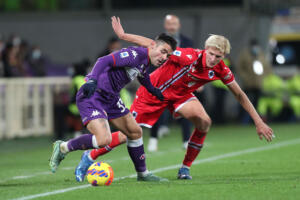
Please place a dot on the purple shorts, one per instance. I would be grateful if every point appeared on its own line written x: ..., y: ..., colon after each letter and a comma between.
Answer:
x: 101, y: 105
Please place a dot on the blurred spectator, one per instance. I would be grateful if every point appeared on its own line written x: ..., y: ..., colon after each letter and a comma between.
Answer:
x: 12, y: 59
x: 271, y: 102
x: 37, y: 62
x: 219, y: 92
x: 252, y: 67
x: 172, y: 27
x: 2, y: 47
x: 113, y: 44
x: 293, y: 85
x: 73, y: 116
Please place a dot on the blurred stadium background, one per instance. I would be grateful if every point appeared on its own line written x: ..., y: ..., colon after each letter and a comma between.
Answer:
x: 44, y: 43
x: 41, y: 41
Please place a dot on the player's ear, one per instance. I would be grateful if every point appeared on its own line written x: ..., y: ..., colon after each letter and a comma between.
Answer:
x: 153, y: 44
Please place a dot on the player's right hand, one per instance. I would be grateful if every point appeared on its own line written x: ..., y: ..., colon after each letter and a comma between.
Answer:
x: 89, y: 87
x: 263, y: 130
x: 156, y: 92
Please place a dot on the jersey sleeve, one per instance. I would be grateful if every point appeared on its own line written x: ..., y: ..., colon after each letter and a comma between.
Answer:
x: 225, y: 74
x: 125, y: 58
x: 184, y: 56
x: 145, y: 81
x: 101, y: 65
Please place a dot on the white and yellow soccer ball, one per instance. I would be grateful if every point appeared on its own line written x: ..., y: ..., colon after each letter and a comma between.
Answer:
x: 100, y: 173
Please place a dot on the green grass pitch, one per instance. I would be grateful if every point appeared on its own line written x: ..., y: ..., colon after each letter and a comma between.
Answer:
x: 234, y: 164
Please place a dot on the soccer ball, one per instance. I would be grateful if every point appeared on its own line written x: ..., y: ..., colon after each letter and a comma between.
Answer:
x: 100, y: 173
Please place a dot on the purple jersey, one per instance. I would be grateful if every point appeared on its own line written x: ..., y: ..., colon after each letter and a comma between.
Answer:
x: 117, y: 69
x: 112, y: 73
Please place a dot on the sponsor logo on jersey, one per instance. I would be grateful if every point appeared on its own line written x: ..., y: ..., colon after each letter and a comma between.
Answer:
x: 134, y: 53
x: 211, y: 74
x: 124, y: 54
x: 190, y: 84
x: 132, y: 73
x: 95, y: 113
x: 193, y: 69
x: 228, y: 76
x: 177, y: 53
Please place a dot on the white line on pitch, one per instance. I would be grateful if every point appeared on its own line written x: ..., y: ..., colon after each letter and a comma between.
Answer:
x: 155, y: 154
x: 205, y: 160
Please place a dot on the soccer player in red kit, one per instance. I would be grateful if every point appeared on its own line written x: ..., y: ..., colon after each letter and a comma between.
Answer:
x: 185, y: 71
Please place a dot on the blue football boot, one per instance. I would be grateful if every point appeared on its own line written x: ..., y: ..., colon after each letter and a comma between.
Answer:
x: 83, y: 166
x: 184, y: 173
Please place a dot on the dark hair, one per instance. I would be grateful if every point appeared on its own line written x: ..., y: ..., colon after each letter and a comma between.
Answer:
x: 167, y: 39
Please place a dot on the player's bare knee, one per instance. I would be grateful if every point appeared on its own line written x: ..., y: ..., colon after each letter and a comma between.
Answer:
x: 135, y: 133
x: 204, y: 124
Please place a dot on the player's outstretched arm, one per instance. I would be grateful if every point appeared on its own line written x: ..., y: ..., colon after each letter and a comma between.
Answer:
x: 137, y: 39
x: 262, y: 129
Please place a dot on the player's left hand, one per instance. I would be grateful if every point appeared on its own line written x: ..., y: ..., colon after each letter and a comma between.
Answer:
x: 263, y: 130
x: 116, y: 25
x: 156, y: 92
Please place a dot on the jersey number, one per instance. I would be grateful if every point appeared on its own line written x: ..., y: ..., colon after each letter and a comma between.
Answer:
x: 121, y: 105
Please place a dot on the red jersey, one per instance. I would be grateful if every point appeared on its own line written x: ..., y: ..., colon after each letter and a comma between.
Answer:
x: 185, y: 71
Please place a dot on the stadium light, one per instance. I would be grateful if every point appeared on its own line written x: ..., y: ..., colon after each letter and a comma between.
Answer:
x: 258, y: 67
x: 280, y: 59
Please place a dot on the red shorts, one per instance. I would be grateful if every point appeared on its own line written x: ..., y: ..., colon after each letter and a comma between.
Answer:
x: 146, y: 108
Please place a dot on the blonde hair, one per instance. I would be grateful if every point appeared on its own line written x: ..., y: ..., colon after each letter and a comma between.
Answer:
x: 218, y: 41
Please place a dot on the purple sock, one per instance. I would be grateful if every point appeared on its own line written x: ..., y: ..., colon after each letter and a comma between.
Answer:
x: 81, y: 143
x: 137, y: 155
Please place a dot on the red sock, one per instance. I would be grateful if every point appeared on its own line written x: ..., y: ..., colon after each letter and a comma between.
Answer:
x: 95, y: 153
x: 194, y: 147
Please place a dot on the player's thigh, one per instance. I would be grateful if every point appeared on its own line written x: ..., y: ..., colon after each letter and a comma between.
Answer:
x: 100, y: 128
x: 127, y: 125
x: 195, y: 112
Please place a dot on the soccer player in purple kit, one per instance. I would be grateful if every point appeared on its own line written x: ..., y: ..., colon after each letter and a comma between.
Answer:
x: 98, y: 101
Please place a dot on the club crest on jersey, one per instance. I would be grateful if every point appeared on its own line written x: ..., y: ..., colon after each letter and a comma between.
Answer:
x: 134, y: 114
x: 177, y: 53
x: 124, y: 54
x: 190, y: 84
x: 189, y: 56
x: 211, y: 74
